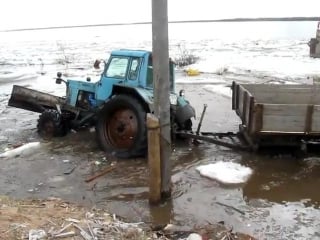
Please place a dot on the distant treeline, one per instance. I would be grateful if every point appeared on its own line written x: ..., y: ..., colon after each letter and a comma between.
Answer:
x: 186, y: 21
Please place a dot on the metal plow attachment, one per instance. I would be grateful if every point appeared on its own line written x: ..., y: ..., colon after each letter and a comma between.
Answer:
x: 33, y: 100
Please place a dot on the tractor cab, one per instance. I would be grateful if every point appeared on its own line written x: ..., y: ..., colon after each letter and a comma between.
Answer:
x: 129, y: 69
x: 126, y: 71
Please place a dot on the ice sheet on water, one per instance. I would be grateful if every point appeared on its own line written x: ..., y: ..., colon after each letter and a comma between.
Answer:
x: 18, y: 75
x: 191, y: 80
x: 220, y: 89
x: 226, y: 172
x: 24, y: 150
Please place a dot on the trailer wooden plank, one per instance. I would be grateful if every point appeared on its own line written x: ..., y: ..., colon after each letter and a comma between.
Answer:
x: 240, y: 101
x: 315, y: 126
x: 285, y: 109
x: 290, y: 95
x: 251, y: 112
x: 292, y: 98
x: 257, y: 122
x: 290, y: 118
x: 234, y: 102
x: 264, y: 87
x: 283, y: 123
x: 309, y: 118
x: 245, y: 109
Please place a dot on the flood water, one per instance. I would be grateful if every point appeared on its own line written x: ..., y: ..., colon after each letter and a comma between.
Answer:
x: 279, y: 201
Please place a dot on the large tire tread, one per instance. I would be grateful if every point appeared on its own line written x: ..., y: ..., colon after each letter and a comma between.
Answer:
x: 58, y: 127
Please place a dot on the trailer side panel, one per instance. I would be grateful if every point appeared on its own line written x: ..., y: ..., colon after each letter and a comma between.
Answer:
x: 267, y: 109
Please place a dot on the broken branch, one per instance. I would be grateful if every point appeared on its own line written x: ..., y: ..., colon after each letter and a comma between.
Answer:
x: 105, y: 171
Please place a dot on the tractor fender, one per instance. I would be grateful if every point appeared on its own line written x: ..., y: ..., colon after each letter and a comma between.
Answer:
x: 183, y: 110
x: 145, y: 97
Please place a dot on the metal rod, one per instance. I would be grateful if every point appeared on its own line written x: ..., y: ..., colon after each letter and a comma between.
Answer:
x: 201, y: 118
x: 215, y: 141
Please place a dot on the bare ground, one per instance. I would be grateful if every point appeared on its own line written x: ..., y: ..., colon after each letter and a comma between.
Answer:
x: 57, y: 219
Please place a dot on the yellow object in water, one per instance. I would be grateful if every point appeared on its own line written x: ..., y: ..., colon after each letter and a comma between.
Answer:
x: 193, y: 72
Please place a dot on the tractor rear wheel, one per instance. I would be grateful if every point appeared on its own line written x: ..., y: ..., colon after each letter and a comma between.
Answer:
x: 121, y: 127
x: 50, y: 124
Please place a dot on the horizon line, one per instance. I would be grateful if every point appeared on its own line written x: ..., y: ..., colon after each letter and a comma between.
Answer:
x: 262, y: 19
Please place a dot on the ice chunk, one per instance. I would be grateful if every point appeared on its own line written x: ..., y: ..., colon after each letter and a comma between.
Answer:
x: 226, y: 172
x: 219, y: 89
x: 37, y: 234
x: 22, y: 150
x: 194, y: 236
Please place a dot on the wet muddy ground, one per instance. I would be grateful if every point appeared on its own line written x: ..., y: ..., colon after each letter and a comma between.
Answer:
x: 280, y: 201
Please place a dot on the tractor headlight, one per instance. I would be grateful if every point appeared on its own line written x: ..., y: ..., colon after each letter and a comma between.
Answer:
x: 173, y: 99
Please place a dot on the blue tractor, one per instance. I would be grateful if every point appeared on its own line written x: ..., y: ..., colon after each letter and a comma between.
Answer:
x: 116, y: 105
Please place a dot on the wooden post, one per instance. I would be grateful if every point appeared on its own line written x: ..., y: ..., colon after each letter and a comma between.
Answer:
x: 154, y: 159
x: 160, y: 59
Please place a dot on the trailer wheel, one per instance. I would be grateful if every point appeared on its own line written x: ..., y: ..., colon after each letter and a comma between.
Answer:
x: 50, y: 124
x: 121, y: 127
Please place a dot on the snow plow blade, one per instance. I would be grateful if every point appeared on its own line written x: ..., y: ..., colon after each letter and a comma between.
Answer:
x: 33, y: 100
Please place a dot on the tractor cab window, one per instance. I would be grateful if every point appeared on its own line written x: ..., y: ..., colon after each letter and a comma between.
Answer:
x: 134, y: 69
x: 117, y: 67
x: 150, y: 74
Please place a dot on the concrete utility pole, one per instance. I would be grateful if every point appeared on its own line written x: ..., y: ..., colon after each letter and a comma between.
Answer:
x: 160, y: 59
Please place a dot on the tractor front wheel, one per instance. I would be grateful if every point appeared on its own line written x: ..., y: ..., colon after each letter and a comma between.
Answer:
x: 121, y: 127
x: 50, y: 124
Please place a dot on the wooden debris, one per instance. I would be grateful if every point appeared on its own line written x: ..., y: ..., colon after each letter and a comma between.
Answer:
x: 103, y: 172
x: 64, y: 228
x: 231, y: 207
x: 72, y: 220
x: 32, y: 206
x: 65, y: 235
x: 83, y: 233
x: 91, y: 231
x: 69, y: 170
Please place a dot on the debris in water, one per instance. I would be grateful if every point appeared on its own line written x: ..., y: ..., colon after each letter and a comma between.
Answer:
x: 194, y: 236
x: 37, y: 234
x: 69, y: 170
x: 105, y: 171
x: 65, y: 235
x: 226, y: 172
x: 72, y: 220
x: 33, y: 190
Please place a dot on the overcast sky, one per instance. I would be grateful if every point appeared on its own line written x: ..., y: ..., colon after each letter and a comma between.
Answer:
x: 46, y: 13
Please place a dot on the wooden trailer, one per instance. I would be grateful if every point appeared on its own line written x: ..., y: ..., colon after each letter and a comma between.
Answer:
x: 278, y: 115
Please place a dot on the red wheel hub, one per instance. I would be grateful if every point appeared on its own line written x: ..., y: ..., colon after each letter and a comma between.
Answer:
x: 121, y: 129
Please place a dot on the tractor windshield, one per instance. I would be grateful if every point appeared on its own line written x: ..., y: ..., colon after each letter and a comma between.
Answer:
x: 117, y: 67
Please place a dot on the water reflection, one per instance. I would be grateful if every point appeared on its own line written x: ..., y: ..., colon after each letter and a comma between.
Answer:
x: 283, y: 179
x: 162, y: 214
